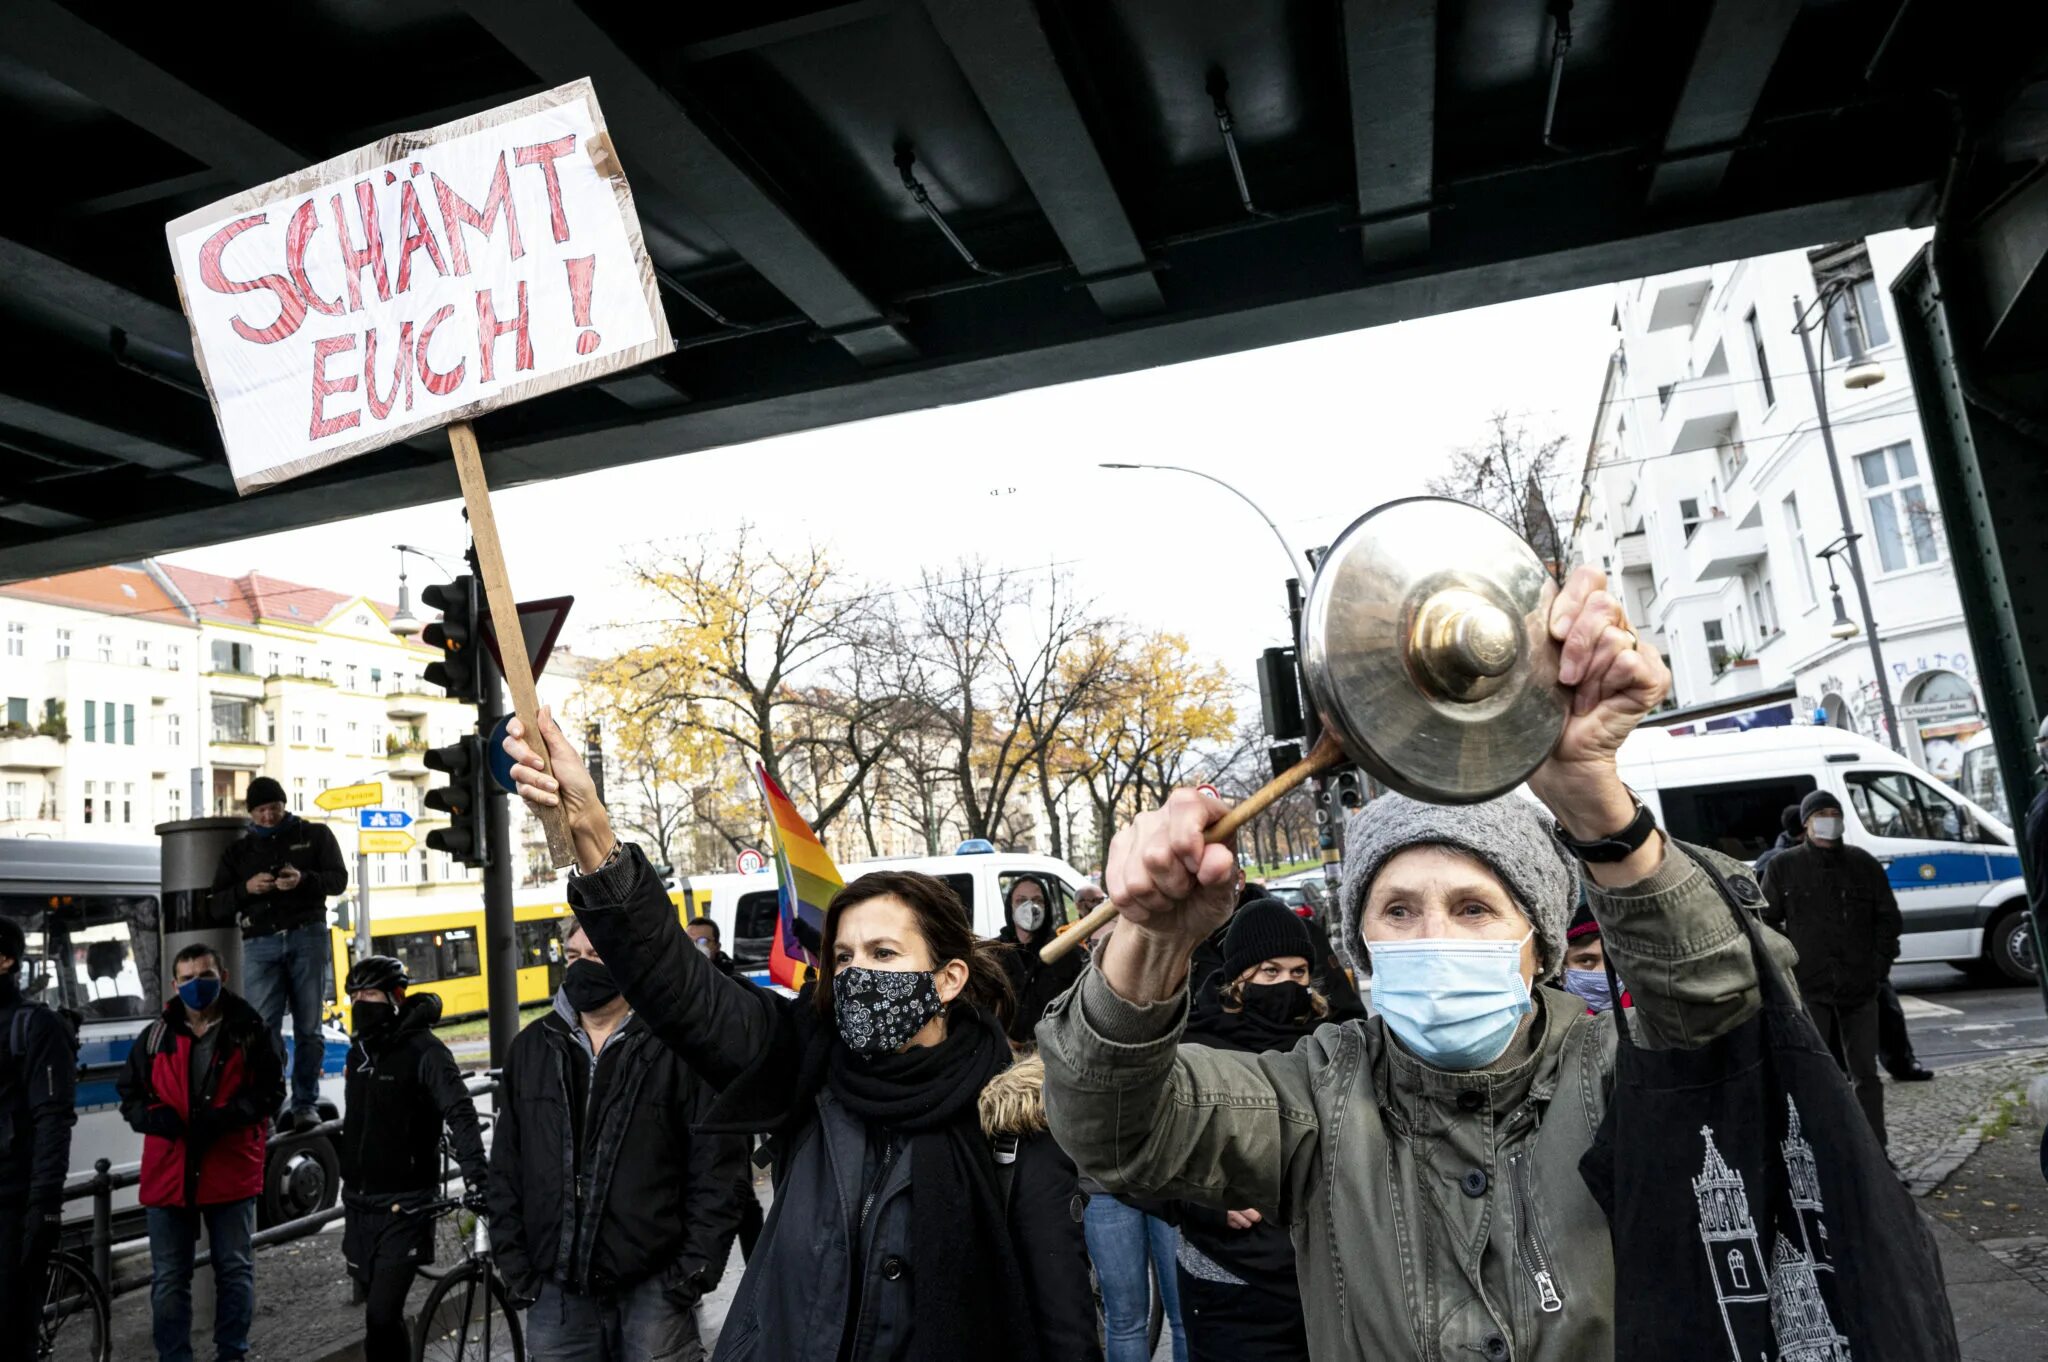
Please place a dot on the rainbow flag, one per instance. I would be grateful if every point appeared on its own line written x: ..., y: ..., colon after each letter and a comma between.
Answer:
x: 805, y: 881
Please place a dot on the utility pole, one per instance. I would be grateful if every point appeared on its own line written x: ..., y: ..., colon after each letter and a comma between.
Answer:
x: 501, y: 946
x: 359, y: 948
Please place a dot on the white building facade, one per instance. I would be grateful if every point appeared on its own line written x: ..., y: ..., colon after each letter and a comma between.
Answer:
x: 1709, y: 499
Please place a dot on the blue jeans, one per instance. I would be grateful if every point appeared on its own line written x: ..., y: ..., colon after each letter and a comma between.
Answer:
x: 173, y: 1244
x: 1119, y: 1239
x: 639, y: 1324
x: 291, y: 966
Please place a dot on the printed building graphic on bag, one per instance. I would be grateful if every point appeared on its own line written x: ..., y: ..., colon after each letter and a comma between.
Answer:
x: 1773, y: 1310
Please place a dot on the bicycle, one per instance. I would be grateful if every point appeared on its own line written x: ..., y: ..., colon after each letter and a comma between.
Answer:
x: 77, y: 1319
x: 468, y: 1314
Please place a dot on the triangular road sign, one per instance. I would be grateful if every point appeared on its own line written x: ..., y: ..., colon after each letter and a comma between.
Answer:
x: 541, y: 623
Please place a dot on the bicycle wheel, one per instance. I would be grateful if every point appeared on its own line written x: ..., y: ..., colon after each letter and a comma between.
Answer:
x: 466, y: 1319
x: 77, y: 1321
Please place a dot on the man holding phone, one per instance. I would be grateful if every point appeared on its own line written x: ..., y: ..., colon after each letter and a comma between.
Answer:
x: 278, y: 876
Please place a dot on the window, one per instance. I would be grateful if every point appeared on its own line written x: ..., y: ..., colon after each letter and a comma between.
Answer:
x: 1738, y: 1271
x: 298, y: 794
x: 231, y: 721
x: 273, y: 669
x: 1689, y: 516
x: 239, y: 658
x: 63, y: 643
x: 1858, y: 304
x: 1732, y: 457
x: 298, y: 729
x: 376, y: 677
x: 540, y: 942
x: 431, y: 956
x: 326, y: 670
x: 127, y: 724
x: 1795, y: 534
x: 92, y: 721
x: 174, y: 803
x: 174, y: 657
x: 300, y: 668
x: 98, y: 953
x: 17, y: 710
x: 88, y: 801
x: 106, y: 647
x: 320, y: 730
x: 1738, y: 819
x: 142, y: 652
x: 1894, y: 804
x: 17, y: 799
x: 174, y: 730
x: 17, y: 638
x: 1763, y: 362
x: 1901, y: 521
x: 1717, y: 645
x: 127, y: 803
x: 1763, y: 604
x: 753, y: 930
x: 349, y: 676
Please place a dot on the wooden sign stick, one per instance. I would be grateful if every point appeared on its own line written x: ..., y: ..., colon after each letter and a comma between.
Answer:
x: 490, y: 561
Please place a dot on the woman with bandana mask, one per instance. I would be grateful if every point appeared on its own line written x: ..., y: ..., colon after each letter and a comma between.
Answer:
x: 921, y: 1212
x: 1426, y: 1159
x: 1585, y: 963
x: 1239, y: 1297
x: 1027, y: 926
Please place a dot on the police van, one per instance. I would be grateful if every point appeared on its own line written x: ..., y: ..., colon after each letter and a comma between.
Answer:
x: 92, y: 916
x: 1952, y: 863
x: 744, y: 906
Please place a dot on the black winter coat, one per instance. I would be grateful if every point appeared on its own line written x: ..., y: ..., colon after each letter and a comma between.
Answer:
x: 1836, y: 905
x: 798, y: 1294
x: 2036, y: 830
x: 596, y: 1180
x: 38, y: 1085
x: 310, y: 848
x: 403, y: 1087
x: 1034, y: 982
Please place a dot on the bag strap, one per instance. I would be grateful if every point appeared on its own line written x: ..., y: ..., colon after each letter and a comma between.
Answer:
x: 1004, y: 1149
x: 1770, y: 979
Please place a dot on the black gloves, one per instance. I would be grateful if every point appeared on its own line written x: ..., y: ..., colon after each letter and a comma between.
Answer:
x: 39, y: 1228
x: 161, y: 1120
x: 475, y: 1201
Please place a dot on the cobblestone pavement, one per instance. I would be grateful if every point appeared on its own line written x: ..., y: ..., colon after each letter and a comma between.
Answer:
x: 1935, y: 1126
x: 2027, y: 1256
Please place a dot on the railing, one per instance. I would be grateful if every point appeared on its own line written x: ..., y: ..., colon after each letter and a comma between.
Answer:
x: 105, y: 1180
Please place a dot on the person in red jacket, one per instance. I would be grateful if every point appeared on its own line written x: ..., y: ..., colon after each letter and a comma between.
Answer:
x: 201, y: 1086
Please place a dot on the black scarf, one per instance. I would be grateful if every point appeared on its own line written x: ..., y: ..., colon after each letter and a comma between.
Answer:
x: 970, y: 1298
x: 1209, y: 1024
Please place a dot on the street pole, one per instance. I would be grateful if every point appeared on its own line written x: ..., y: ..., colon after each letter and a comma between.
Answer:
x: 1827, y: 439
x: 501, y: 947
x: 1301, y: 564
x: 359, y: 949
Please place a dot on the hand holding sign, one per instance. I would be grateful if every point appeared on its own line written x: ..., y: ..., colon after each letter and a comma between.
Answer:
x: 421, y: 282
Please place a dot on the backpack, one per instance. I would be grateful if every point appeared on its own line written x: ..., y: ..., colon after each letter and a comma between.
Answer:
x: 14, y: 1044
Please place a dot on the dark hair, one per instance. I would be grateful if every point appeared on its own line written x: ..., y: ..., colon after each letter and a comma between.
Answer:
x: 13, y: 942
x: 199, y: 950
x: 943, y: 923
x: 712, y: 923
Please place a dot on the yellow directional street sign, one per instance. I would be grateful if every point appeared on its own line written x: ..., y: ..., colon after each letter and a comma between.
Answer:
x: 373, y: 842
x: 351, y: 796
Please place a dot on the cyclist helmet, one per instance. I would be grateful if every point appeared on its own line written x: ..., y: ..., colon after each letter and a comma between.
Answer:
x: 382, y: 972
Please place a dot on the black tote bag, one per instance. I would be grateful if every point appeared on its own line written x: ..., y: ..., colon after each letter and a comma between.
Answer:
x: 1755, y: 1217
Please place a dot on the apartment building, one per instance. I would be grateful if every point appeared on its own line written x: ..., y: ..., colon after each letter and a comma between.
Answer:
x: 1709, y: 498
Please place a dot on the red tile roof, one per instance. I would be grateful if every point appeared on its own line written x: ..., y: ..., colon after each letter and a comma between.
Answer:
x: 121, y: 589
x: 253, y: 596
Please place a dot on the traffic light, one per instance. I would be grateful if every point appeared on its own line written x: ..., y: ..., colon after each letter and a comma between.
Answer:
x: 1350, y: 790
x: 462, y: 799
x: 460, y: 671
x: 1280, y: 695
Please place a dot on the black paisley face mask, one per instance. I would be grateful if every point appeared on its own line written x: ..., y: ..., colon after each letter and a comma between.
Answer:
x: 879, y: 1010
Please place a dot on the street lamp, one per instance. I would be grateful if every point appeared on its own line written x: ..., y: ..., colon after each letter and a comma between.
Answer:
x: 403, y: 622
x: 1862, y: 373
x: 1302, y: 569
x: 1843, y: 627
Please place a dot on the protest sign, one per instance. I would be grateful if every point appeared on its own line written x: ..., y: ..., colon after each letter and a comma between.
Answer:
x: 415, y: 283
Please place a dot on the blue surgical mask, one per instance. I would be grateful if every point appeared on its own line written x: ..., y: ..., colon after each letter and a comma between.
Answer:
x: 1592, y: 985
x: 1454, y: 1003
x: 199, y: 994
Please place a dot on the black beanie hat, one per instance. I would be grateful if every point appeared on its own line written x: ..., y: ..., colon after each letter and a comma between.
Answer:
x: 263, y: 790
x: 13, y: 942
x: 1263, y: 930
x: 1819, y: 801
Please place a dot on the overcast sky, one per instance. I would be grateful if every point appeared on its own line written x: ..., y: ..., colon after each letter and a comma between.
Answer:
x: 1317, y: 432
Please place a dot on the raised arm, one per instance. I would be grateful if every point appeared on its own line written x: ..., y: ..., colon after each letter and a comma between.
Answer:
x: 721, y: 1027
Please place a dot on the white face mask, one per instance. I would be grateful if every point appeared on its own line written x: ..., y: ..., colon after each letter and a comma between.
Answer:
x: 1028, y: 914
x: 1828, y: 827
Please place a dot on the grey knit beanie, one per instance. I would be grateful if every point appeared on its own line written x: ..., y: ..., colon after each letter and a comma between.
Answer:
x: 1510, y: 835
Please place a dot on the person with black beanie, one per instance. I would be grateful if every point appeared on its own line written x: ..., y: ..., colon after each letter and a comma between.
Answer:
x: 1239, y: 1297
x: 922, y: 1211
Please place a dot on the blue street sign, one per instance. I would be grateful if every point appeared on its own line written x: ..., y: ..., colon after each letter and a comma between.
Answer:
x: 383, y: 818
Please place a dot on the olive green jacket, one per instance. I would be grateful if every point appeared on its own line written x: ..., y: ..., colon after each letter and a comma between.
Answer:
x: 1435, y: 1215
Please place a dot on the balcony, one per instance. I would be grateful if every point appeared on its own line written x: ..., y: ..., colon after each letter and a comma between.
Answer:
x: 1700, y: 414
x: 1632, y: 552
x: 406, y: 756
x: 24, y: 750
x: 1676, y: 299
x: 408, y: 703
x: 1721, y: 547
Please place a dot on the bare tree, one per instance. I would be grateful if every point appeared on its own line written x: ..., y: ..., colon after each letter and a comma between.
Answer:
x: 1516, y: 478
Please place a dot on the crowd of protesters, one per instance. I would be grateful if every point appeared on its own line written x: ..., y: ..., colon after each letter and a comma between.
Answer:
x: 976, y: 1153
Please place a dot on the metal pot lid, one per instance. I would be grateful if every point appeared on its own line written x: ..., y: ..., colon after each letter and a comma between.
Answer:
x: 1427, y: 652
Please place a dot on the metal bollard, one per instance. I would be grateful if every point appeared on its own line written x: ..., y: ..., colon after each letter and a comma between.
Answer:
x: 103, y: 1224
